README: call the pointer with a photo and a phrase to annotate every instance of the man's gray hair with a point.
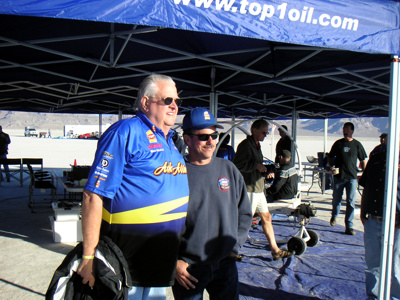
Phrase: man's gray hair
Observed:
(257, 124)
(149, 88)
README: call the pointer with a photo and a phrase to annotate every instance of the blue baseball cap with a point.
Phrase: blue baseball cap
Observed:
(199, 118)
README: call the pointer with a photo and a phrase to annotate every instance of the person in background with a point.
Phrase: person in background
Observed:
(284, 143)
(49, 133)
(286, 180)
(382, 146)
(4, 142)
(137, 192)
(225, 151)
(179, 143)
(249, 160)
(371, 215)
(343, 155)
(218, 217)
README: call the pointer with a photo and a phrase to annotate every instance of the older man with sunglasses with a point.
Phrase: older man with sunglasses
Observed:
(218, 218)
(137, 192)
(249, 160)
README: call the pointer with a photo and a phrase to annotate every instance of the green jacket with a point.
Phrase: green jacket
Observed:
(247, 156)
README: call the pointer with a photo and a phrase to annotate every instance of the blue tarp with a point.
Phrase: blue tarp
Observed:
(333, 269)
(370, 26)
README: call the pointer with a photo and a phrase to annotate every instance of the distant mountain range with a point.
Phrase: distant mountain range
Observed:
(365, 127)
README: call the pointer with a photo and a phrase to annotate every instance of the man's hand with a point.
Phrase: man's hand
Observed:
(270, 175)
(182, 275)
(261, 168)
(86, 271)
(363, 219)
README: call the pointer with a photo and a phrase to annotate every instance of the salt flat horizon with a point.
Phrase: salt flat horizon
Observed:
(61, 153)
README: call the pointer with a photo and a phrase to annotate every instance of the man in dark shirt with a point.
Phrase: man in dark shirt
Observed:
(249, 160)
(286, 178)
(372, 201)
(218, 218)
(284, 143)
(4, 142)
(343, 155)
(382, 146)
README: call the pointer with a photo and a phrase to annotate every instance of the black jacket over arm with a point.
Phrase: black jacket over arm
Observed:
(112, 279)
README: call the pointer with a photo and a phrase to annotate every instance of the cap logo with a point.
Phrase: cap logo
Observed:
(206, 115)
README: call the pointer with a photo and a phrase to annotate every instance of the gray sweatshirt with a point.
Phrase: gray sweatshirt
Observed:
(219, 212)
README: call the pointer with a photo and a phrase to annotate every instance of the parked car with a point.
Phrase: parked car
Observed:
(85, 136)
(30, 131)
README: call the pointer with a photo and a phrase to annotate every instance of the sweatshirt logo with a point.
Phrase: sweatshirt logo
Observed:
(223, 184)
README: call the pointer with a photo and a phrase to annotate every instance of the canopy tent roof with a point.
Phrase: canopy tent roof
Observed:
(74, 66)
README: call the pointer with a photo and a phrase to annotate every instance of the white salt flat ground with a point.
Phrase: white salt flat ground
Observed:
(28, 256)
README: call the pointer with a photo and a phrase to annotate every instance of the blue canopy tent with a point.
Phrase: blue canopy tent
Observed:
(249, 59)
(313, 59)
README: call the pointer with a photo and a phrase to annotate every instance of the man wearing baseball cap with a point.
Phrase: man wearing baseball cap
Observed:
(286, 178)
(382, 146)
(218, 217)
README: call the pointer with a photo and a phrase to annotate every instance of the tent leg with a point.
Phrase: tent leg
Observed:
(390, 199)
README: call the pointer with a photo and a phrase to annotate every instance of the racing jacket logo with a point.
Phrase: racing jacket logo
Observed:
(107, 154)
(167, 168)
(151, 136)
(104, 163)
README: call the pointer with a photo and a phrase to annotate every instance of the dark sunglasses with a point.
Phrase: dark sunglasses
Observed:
(204, 137)
(169, 100)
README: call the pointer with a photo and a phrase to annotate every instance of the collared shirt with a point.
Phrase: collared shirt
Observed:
(247, 156)
(143, 181)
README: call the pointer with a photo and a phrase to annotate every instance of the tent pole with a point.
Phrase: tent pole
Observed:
(233, 131)
(326, 135)
(294, 135)
(100, 124)
(213, 96)
(390, 199)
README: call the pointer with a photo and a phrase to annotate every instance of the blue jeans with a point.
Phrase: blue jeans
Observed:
(338, 186)
(147, 293)
(6, 169)
(220, 279)
(373, 246)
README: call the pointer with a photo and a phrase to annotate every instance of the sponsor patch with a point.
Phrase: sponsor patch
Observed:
(107, 154)
(104, 163)
(151, 136)
(223, 184)
(153, 146)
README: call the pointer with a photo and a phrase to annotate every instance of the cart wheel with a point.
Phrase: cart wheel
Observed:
(297, 245)
(314, 238)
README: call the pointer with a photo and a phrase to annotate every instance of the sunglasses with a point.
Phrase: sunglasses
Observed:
(205, 137)
(169, 100)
